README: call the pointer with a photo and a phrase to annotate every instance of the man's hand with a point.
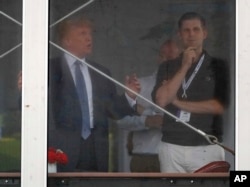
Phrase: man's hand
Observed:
(132, 83)
(189, 57)
(154, 121)
(211, 106)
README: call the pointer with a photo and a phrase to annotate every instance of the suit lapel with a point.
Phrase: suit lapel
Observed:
(67, 78)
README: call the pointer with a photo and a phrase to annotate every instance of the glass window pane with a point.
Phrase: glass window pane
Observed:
(10, 78)
(128, 37)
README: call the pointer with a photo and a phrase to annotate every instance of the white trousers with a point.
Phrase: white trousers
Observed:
(186, 159)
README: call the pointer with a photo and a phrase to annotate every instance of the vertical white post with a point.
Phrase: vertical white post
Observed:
(243, 87)
(34, 93)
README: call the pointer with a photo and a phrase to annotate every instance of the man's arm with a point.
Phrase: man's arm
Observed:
(220, 101)
(166, 93)
(135, 123)
(212, 106)
(133, 84)
(146, 120)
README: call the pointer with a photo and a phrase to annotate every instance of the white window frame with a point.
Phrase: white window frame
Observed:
(34, 105)
(242, 86)
(34, 93)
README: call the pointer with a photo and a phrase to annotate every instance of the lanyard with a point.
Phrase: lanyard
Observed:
(185, 85)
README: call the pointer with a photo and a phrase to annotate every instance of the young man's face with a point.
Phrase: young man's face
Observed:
(192, 34)
(78, 40)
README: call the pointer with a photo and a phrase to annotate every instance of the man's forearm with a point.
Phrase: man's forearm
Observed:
(135, 123)
(132, 123)
(200, 107)
(167, 92)
(154, 121)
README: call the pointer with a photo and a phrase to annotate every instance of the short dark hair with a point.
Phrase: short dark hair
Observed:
(190, 16)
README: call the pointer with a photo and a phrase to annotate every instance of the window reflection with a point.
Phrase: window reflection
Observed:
(129, 43)
(10, 95)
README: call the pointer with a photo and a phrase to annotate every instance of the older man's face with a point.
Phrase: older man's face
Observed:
(78, 40)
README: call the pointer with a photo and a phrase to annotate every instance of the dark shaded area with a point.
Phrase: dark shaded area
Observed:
(10, 65)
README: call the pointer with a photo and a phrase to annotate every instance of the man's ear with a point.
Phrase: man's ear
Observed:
(205, 33)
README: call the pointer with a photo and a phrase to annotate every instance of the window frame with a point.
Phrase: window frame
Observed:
(34, 93)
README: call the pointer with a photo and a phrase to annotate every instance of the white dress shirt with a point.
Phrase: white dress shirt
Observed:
(84, 69)
(145, 140)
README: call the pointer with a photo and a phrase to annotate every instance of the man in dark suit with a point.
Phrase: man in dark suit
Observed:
(70, 112)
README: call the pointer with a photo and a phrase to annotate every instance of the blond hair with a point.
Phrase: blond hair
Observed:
(64, 27)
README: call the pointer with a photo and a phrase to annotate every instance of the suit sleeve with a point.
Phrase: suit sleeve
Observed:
(118, 105)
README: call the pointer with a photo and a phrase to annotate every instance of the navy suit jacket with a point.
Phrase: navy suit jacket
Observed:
(65, 112)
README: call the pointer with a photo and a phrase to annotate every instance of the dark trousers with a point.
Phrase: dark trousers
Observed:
(93, 155)
(87, 157)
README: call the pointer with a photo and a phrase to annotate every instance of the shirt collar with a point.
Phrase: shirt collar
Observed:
(71, 60)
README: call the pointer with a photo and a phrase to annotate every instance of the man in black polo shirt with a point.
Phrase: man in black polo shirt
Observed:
(195, 88)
